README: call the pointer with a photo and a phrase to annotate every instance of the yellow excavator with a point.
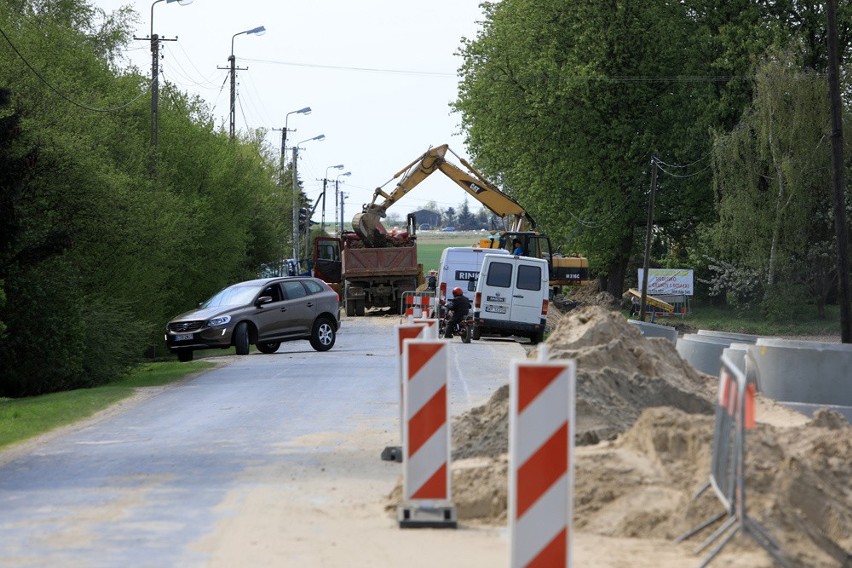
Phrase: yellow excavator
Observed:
(519, 226)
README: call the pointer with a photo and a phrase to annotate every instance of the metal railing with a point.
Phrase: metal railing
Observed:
(734, 415)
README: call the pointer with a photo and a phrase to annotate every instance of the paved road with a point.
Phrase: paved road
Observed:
(145, 485)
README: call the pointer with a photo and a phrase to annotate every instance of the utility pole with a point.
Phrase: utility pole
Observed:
(232, 70)
(295, 204)
(838, 178)
(648, 236)
(342, 197)
(154, 130)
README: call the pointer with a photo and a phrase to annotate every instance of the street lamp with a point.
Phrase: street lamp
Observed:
(284, 131)
(259, 30)
(336, 198)
(155, 71)
(296, 192)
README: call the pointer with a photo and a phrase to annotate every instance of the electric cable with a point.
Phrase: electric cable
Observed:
(62, 95)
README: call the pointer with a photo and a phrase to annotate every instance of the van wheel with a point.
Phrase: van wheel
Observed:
(322, 334)
(241, 338)
(184, 356)
(537, 337)
(475, 332)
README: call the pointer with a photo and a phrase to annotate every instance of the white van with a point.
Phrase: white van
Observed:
(511, 297)
(460, 267)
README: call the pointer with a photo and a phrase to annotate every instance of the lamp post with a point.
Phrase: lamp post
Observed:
(284, 131)
(324, 185)
(232, 61)
(155, 72)
(336, 198)
(296, 194)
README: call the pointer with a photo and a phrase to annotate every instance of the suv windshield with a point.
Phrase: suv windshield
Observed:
(232, 296)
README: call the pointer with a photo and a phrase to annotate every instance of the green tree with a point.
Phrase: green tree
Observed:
(566, 102)
(773, 176)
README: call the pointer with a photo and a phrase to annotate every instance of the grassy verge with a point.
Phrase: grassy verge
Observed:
(800, 321)
(24, 418)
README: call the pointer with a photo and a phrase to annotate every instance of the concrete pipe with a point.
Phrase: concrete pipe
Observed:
(656, 330)
(808, 372)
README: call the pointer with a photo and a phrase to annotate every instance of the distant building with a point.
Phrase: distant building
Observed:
(424, 216)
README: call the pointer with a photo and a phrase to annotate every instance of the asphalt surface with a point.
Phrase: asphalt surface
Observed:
(140, 487)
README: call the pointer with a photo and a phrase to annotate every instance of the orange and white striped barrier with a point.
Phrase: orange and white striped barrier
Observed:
(401, 333)
(432, 324)
(426, 491)
(418, 306)
(541, 462)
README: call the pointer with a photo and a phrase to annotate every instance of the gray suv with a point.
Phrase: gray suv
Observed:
(262, 312)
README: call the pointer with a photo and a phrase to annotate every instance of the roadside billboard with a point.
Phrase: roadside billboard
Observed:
(668, 281)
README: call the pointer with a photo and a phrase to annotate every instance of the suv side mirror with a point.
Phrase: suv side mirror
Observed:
(263, 300)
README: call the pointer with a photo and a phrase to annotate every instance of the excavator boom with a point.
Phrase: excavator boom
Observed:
(367, 224)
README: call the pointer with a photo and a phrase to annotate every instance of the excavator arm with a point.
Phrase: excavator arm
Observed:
(368, 226)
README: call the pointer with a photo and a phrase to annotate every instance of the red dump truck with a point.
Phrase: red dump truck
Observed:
(368, 277)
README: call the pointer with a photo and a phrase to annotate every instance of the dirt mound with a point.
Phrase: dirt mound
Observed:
(641, 484)
(619, 373)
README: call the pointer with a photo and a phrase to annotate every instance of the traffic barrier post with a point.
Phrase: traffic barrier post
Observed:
(432, 325)
(734, 416)
(416, 304)
(427, 492)
(401, 333)
(541, 461)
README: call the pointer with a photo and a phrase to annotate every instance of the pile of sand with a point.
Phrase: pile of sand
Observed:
(619, 373)
(641, 483)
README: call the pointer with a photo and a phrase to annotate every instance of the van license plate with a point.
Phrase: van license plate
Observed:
(496, 309)
(183, 337)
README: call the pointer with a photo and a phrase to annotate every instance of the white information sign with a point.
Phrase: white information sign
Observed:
(668, 281)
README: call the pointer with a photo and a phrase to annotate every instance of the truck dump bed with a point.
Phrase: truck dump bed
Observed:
(372, 262)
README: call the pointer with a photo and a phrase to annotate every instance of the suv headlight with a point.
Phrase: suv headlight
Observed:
(221, 320)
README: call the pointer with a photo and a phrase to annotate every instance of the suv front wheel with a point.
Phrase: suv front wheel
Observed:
(322, 334)
(241, 338)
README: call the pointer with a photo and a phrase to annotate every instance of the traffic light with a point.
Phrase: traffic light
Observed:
(304, 222)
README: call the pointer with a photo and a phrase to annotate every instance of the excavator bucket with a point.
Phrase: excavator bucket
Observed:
(368, 226)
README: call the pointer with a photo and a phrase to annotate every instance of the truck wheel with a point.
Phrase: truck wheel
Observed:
(359, 308)
(185, 356)
(322, 334)
(241, 338)
(350, 308)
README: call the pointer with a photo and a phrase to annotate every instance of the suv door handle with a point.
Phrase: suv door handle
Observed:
(310, 304)
(284, 309)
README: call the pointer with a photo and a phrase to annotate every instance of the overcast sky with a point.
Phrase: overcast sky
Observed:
(379, 76)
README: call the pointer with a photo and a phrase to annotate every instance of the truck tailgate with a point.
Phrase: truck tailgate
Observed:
(389, 261)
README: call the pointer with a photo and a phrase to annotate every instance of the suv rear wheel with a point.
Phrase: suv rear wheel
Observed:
(322, 334)
(184, 356)
(268, 347)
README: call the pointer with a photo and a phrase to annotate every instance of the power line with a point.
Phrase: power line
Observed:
(348, 68)
(62, 95)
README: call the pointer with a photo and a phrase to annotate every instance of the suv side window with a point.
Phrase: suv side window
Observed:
(500, 275)
(313, 287)
(273, 290)
(529, 277)
(294, 290)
